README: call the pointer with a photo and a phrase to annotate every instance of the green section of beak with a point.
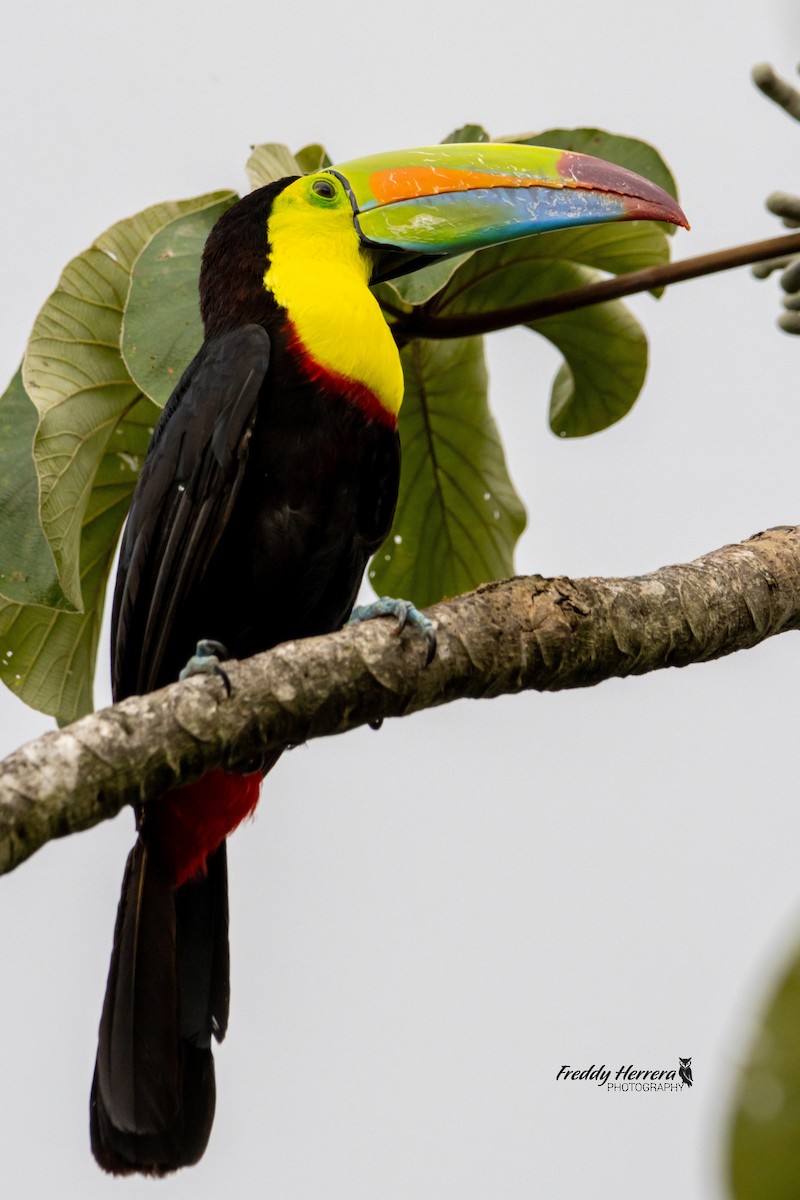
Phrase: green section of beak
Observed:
(443, 200)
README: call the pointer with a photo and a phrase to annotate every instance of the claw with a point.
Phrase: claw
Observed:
(206, 661)
(405, 613)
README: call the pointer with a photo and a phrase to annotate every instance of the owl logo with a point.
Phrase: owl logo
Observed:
(686, 1070)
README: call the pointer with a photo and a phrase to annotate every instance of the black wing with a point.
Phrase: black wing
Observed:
(191, 477)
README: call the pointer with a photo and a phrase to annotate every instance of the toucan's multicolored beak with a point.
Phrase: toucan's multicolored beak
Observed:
(443, 200)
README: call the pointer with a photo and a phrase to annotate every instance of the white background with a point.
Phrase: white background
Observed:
(429, 921)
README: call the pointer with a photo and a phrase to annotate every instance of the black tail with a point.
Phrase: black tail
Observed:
(153, 1092)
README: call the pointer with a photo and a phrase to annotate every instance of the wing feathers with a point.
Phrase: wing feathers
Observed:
(184, 499)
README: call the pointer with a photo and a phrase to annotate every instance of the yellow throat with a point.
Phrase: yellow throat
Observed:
(320, 276)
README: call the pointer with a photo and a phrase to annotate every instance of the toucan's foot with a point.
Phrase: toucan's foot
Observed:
(206, 661)
(405, 613)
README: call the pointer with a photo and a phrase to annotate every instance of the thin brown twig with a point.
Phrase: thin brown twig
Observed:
(424, 323)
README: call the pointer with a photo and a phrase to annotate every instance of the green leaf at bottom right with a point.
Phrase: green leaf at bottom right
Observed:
(764, 1150)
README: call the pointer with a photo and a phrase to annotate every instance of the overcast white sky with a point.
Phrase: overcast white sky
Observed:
(428, 922)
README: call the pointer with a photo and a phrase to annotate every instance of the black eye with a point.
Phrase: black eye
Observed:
(324, 188)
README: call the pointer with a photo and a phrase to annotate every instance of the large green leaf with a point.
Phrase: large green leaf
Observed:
(615, 247)
(27, 570)
(270, 161)
(605, 353)
(604, 346)
(419, 286)
(312, 158)
(765, 1134)
(516, 272)
(74, 373)
(458, 517)
(48, 657)
(161, 329)
(467, 133)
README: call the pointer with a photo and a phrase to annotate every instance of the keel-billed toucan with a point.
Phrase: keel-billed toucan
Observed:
(270, 479)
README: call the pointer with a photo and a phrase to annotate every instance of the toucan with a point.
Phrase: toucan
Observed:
(270, 479)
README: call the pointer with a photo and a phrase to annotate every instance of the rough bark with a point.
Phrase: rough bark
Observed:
(522, 633)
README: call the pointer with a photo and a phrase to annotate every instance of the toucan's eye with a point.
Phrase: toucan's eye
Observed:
(324, 188)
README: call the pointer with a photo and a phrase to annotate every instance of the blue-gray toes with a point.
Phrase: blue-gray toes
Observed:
(206, 661)
(405, 613)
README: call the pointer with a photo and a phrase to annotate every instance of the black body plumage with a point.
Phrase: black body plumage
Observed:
(261, 498)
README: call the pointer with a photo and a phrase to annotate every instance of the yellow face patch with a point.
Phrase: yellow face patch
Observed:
(320, 275)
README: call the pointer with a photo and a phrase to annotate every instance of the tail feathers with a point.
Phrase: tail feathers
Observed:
(164, 1151)
(201, 918)
(153, 1093)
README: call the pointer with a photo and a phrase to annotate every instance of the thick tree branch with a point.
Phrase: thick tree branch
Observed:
(523, 633)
